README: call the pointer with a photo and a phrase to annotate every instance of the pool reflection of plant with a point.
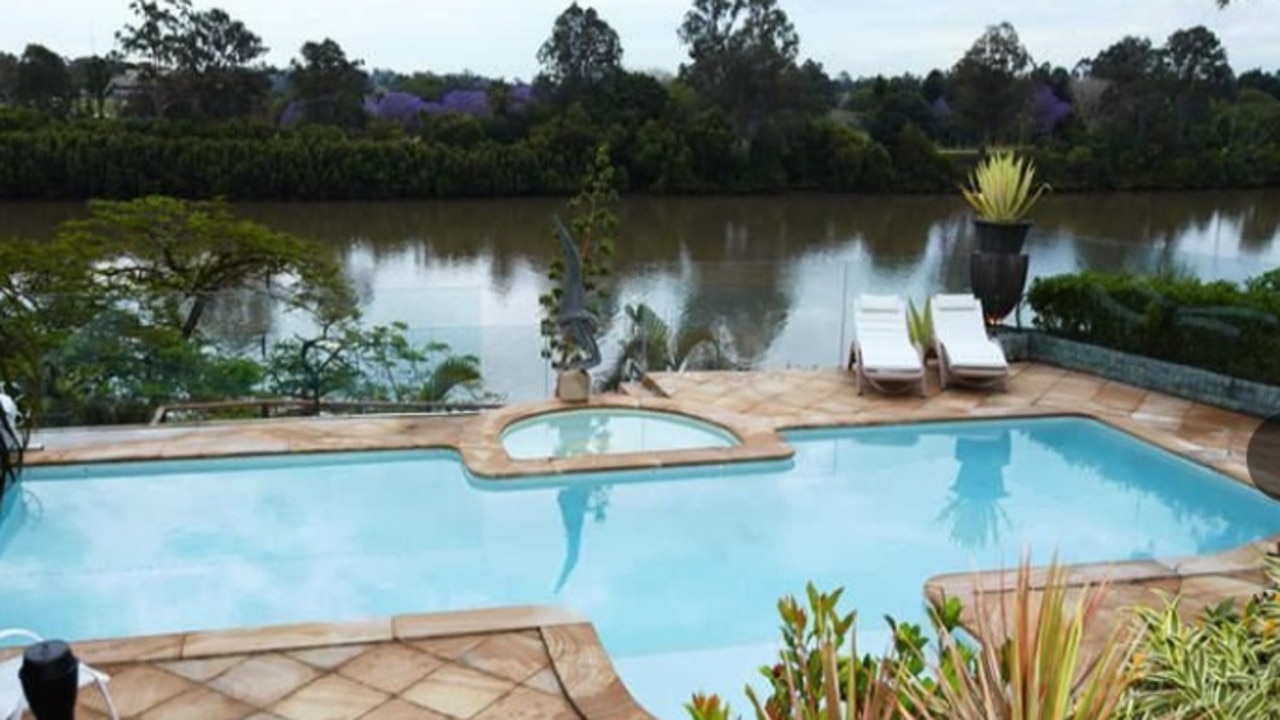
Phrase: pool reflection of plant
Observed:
(974, 510)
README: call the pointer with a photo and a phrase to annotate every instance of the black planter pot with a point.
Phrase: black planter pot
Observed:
(997, 280)
(1004, 238)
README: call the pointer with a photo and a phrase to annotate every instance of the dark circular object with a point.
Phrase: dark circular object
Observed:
(1263, 457)
(49, 659)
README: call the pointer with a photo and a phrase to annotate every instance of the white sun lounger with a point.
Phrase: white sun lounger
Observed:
(966, 355)
(883, 355)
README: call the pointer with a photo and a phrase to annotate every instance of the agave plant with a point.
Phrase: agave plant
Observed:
(1001, 188)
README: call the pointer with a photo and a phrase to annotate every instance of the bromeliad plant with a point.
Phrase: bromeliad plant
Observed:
(1001, 190)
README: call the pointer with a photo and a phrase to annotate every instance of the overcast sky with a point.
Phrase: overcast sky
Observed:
(501, 37)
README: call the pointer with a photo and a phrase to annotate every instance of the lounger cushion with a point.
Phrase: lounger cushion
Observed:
(968, 353)
(880, 354)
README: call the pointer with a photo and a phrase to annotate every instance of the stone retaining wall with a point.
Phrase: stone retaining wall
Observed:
(1191, 383)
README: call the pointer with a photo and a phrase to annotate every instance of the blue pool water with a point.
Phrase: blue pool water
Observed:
(679, 570)
(601, 431)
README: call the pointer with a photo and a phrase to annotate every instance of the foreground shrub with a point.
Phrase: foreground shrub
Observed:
(1031, 665)
(1218, 326)
(1225, 664)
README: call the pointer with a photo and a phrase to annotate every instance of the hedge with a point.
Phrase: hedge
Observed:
(1219, 326)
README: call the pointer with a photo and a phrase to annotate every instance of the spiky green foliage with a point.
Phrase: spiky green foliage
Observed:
(920, 324)
(1001, 187)
(1032, 664)
(652, 345)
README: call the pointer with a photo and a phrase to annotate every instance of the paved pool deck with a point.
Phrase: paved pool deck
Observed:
(546, 662)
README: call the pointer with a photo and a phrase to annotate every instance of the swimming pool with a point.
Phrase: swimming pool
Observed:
(606, 431)
(678, 569)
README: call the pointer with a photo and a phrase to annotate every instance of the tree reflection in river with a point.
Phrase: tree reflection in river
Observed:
(775, 272)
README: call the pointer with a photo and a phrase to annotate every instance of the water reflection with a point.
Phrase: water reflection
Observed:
(576, 502)
(973, 510)
(775, 273)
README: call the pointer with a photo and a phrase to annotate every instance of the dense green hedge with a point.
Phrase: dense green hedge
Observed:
(80, 160)
(1219, 326)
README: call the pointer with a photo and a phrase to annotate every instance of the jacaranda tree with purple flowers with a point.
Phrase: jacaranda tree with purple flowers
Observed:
(1047, 110)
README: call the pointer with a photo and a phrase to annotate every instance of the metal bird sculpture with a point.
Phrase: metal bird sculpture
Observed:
(574, 319)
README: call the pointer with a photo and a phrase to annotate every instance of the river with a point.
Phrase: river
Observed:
(774, 275)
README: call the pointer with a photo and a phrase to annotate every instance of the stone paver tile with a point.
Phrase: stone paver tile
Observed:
(263, 679)
(527, 704)
(199, 704)
(136, 689)
(204, 669)
(330, 698)
(1120, 397)
(396, 709)
(328, 658)
(513, 656)
(545, 681)
(390, 668)
(449, 648)
(457, 691)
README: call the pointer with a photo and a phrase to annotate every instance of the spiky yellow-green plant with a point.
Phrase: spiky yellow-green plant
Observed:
(920, 324)
(1001, 187)
(1033, 664)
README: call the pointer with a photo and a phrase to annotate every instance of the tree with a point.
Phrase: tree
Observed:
(582, 50)
(93, 76)
(194, 62)
(330, 87)
(346, 360)
(743, 54)
(174, 257)
(1198, 61)
(1200, 73)
(43, 82)
(8, 78)
(1135, 96)
(989, 84)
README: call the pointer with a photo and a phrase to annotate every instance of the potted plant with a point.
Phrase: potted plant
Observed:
(1000, 191)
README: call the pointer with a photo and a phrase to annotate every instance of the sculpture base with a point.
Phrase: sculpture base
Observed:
(573, 386)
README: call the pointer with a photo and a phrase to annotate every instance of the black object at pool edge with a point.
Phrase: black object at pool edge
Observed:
(50, 678)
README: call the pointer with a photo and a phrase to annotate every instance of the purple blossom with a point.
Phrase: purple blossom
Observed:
(1047, 110)
(941, 107)
(466, 102)
(521, 95)
(292, 114)
(403, 108)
